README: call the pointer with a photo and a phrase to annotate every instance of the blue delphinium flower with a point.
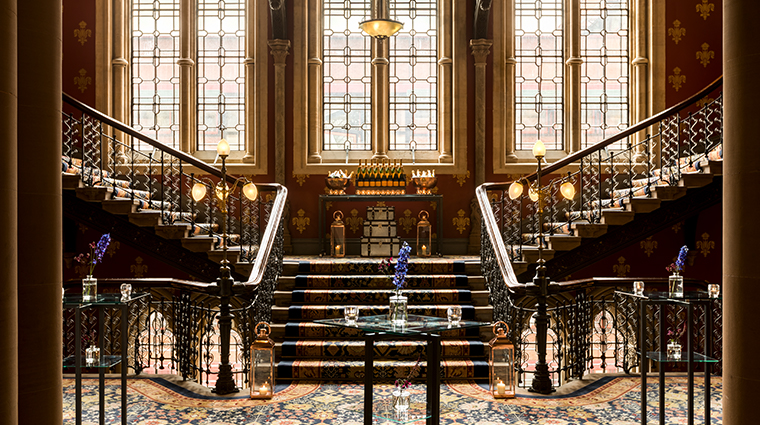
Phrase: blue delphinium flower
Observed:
(681, 261)
(402, 266)
(97, 250)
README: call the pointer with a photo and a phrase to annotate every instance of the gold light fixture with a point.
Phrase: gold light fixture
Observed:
(381, 28)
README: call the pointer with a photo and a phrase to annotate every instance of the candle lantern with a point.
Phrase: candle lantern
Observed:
(501, 363)
(424, 235)
(262, 363)
(338, 235)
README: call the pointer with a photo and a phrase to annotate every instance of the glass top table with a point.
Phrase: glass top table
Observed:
(423, 327)
(695, 295)
(106, 299)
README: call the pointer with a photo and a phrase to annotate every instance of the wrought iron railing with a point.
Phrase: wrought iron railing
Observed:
(658, 151)
(102, 151)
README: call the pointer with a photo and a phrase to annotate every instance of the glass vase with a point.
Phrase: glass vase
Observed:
(674, 350)
(92, 356)
(401, 400)
(89, 288)
(398, 314)
(675, 285)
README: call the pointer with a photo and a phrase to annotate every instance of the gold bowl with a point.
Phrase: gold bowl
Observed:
(425, 184)
(337, 185)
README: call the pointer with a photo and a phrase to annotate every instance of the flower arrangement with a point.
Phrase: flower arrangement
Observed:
(678, 266)
(402, 266)
(404, 383)
(674, 336)
(387, 267)
(95, 256)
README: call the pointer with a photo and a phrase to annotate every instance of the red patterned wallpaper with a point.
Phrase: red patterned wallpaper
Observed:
(79, 34)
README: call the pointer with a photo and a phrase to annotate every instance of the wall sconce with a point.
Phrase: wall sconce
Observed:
(262, 363)
(424, 235)
(338, 235)
(501, 363)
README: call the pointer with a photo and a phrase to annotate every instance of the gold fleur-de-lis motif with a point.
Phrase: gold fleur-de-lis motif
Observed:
(648, 245)
(434, 205)
(380, 204)
(705, 55)
(676, 227)
(354, 221)
(82, 33)
(705, 8)
(82, 228)
(704, 101)
(82, 81)
(300, 178)
(328, 205)
(461, 178)
(301, 221)
(676, 32)
(113, 247)
(621, 268)
(407, 221)
(705, 245)
(139, 268)
(461, 222)
(677, 79)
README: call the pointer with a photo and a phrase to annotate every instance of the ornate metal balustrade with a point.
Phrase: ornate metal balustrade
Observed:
(590, 328)
(178, 328)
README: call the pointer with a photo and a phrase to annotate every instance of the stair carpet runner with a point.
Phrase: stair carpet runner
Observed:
(321, 289)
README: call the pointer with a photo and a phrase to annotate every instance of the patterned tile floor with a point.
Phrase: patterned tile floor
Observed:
(612, 400)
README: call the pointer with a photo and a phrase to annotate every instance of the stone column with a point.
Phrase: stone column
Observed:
(8, 213)
(188, 106)
(380, 94)
(119, 72)
(280, 51)
(39, 212)
(640, 74)
(741, 175)
(573, 68)
(480, 50)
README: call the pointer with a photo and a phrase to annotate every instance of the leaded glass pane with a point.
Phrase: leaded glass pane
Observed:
(155, 74)
(347, 76)
(221, 73)
(539, 73)
(346, 67)
(604, 73)
(413, 76)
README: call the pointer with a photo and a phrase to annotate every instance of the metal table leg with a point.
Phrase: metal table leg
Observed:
(434, 378)
(369, 348)
(124, 361)
(101, 371)
(78, 362)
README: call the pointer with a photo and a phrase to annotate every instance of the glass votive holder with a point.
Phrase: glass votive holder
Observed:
(454, 314)
(126, 291)
(351, 314)
(638, 287)
(714, 290)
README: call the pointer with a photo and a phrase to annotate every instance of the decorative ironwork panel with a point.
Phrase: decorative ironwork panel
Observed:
(221, 73)
(346, 80)
(413, 81)
(539, 32)
(604, 73)
(155, 73)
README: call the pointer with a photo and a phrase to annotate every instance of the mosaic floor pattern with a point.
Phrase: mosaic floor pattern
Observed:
(608, 400)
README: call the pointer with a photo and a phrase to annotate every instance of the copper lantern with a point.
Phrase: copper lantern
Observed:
(501, 363)
(262, 363)
(337, 236)
(424, 235)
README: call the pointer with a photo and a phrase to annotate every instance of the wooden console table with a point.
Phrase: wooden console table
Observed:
(438, 199)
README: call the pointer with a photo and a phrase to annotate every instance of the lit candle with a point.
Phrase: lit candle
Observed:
(424, 250)
(264, 389)
(337, 249)
(501, 389)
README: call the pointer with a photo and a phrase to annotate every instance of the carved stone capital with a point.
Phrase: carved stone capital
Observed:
(481, 48)
(280, 49)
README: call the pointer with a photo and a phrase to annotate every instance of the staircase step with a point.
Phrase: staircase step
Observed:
(71, 181)
(530, 254)
(145, 218)
(174, 231)
(315, 312)
(641, 205)
(384, 370)
(369, 266)
(715, 168)
(311, 330)
(243, 268)
(668, 193)
(199, 243)
(93, 194)
(386, 349)
(375, 296)
(379, 281)
(589, 230)
(695, 179)
(564, 242)
(616, 217)
(120, 206)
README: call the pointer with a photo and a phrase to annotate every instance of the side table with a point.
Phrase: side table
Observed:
(101, 302)
(689, 299)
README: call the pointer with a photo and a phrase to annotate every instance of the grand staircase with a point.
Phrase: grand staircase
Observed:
(317, 288)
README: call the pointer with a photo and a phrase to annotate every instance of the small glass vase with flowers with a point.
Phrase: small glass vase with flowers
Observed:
(401, 393)
(397, 313)
(92, 259)
(675, 280)
(674, 342)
